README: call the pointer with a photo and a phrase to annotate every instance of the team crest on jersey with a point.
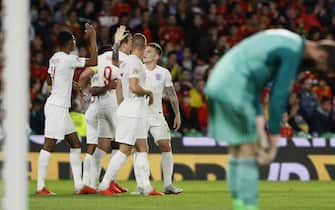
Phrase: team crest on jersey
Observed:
(158, 76)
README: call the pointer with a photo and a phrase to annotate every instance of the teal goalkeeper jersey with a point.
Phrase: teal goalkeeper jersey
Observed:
(269, 56)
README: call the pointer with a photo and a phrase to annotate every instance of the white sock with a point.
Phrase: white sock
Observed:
(142, 163)
(88, 162)
(137, 170)
(76, 168)
(98, 155)
(114, 166)
(43, 161)
(167, 168)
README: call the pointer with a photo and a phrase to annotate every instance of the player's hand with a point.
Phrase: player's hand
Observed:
(176, 122)
(111, 84)
(265, 155)
(90, 31)
(76, 86)
(120, 34)
(151, 97)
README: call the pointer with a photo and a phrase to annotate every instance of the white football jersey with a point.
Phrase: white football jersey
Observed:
(156, 80)
(61, 69)
(107, 72)
(132, 105)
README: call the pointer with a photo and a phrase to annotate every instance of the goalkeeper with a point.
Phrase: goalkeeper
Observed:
(234, 89)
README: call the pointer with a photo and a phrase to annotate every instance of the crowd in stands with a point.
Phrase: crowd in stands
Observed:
(194, 35)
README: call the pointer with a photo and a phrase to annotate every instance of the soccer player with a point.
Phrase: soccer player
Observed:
(91, 116)
(101, 115)
(108, 71)
(130, 116)
(159, 82)
(58, 123)
(234, 88)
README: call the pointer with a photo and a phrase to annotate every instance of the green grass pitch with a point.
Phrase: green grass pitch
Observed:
(198, 195)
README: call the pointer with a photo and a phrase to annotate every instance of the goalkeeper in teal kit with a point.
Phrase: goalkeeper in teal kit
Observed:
(234, 88)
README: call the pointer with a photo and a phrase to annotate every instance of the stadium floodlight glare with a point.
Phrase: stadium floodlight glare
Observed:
(16, 22)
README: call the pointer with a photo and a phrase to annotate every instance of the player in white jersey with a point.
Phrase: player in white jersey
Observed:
(130, 116)
(159, 81)
(58, 123)
(101, 114)
(91, 115)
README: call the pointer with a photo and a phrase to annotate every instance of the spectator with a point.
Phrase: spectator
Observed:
(145, 26)
(72, 23)
(36, 118)
(322, 89)
(323, 118)
(286, 130)
(173, 66)
(88, 12)
(197, 100)
(38, 70)
(308, 99)
(171, 33)
(295, 118)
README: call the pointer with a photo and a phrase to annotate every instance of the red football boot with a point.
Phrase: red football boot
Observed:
(87, 190)
(122, 189)
(154, 192)
(107, 192)
(45, 191)
(114, 188)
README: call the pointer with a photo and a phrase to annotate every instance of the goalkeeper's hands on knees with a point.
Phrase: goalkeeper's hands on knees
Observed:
(266, 152)
(266, 145)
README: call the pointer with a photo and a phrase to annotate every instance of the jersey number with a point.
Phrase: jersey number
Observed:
(107, 75)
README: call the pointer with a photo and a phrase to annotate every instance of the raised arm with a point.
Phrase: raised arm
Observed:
(120, 34)
(93, 49)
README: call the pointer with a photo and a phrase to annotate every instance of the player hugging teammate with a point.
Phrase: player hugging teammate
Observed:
(126, 104)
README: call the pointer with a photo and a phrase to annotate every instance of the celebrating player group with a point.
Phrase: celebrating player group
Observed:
(126, 86)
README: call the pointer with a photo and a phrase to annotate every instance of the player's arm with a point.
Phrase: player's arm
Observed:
(138, 90)
(120, 34)
(118, 91)
(93, 49)
(86, 75)
(97, 91)
(279, 97)
(171, 93)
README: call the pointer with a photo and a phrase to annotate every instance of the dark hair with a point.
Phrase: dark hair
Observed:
(329, 47)
(157, 48)
(325, 99)
(104, 48)
(64, 37)
(139, 41)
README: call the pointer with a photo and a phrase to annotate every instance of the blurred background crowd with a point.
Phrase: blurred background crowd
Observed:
(194, 35)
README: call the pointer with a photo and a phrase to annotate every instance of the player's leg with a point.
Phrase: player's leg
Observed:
(75, 162)
(125, 135)
(247, 175)
(161, 134)
(167, 166)
(43, 161)
(107, 186)
(54, 129)
(232, 176)
(141, 169)
(87, 165)
(91, 142)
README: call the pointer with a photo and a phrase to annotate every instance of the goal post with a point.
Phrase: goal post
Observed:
(16, 23)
